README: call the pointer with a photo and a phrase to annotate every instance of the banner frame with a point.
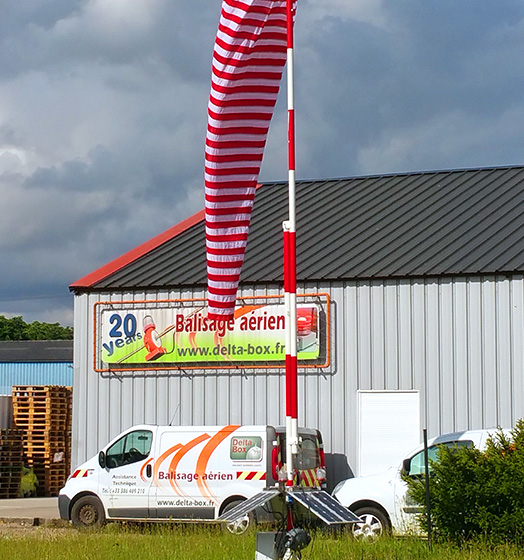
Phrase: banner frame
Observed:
(101, 367)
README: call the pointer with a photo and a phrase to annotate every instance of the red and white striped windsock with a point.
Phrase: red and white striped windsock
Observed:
(248, 61)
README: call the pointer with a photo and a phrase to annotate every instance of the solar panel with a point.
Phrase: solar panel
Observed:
(247, 506)
(318, 502)
(324, 506)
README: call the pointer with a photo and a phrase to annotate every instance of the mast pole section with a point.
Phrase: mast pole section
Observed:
(290, 297)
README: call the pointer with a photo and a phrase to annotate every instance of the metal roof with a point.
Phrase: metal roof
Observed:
(436, 223)
(34, 373)
(24, 351)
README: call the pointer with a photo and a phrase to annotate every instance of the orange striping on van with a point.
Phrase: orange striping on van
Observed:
(251, 475)
(81, 473)
(176, 459)
(162, 457)
(204, 456)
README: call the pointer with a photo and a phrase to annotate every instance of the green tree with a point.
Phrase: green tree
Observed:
(17, 329)
(477, 493)
(48, 331)
(4, 328)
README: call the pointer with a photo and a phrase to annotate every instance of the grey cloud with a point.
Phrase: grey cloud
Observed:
(173, 35)
(23, 28)
(103, 113)
(358, 83)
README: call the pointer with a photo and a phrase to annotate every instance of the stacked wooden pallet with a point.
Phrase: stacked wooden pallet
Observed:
(43, 412)
(11, 461)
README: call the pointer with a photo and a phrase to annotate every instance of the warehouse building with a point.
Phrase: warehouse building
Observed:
(35, 362)
(411, 297)
(32, 362)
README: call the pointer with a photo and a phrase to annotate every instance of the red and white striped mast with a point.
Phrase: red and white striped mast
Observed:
(290, 268)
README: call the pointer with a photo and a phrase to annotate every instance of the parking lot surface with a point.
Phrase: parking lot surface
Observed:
(29, 509)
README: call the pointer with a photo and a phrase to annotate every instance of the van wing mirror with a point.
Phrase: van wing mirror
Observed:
(102, 459)
(406, 466)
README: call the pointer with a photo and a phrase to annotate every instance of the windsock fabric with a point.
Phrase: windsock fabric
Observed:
(248, 60)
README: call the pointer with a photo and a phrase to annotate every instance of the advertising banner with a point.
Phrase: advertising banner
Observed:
(145, 335)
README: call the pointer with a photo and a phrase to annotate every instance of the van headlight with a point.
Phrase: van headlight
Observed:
(338, 487)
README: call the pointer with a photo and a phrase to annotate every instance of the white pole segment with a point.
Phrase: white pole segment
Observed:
(290, 269)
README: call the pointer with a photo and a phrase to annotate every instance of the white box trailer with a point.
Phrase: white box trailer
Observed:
(184, 473)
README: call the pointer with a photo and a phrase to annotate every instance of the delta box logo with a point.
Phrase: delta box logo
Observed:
(246, 448)
(131, 336)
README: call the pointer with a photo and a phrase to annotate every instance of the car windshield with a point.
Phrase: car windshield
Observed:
(416, 465)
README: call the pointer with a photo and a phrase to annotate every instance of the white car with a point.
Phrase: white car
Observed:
(380, 500)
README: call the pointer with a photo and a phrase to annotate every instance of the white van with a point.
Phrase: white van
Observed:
(181, 473)
(381, 500)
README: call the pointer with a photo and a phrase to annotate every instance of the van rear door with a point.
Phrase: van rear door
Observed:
(310, 456)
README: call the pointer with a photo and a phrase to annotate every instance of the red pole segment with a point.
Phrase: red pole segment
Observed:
(290, 269)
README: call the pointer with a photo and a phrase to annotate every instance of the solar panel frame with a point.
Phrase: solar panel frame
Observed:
(247, 506)
(324, 506)
(318, 502)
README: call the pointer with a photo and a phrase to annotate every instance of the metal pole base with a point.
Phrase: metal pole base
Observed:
(266, 546)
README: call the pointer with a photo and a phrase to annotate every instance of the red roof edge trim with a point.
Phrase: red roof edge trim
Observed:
(98, 275)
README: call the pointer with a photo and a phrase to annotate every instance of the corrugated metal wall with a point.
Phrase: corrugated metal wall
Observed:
(29, 373)
(456, 340)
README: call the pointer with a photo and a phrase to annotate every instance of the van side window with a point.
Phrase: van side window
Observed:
(131, 448)
(416, 465)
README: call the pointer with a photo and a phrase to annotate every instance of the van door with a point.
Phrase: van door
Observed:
(180, 490)
(127, 476)
(196, 470)
(310, 457)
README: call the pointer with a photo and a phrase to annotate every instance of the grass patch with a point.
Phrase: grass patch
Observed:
(119, 542)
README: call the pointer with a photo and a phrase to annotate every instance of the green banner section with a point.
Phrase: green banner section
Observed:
(156, 336)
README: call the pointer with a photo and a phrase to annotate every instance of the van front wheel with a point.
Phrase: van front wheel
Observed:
(87, 512)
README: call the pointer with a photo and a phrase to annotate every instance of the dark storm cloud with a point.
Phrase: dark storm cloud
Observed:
(427, 85)
(103, 115)
(24, 26)
(97, 137)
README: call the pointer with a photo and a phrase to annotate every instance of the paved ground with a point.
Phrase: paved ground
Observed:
(31, 510)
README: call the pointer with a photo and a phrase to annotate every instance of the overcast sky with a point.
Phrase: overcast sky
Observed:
(103, 116)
